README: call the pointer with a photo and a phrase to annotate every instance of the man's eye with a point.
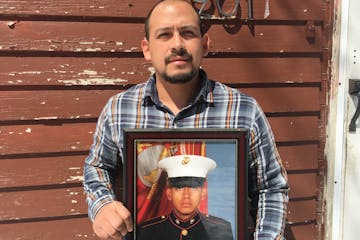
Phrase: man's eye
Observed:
(164, 35)
(188, 34)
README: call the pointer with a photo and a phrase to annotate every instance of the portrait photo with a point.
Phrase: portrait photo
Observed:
(188, 182)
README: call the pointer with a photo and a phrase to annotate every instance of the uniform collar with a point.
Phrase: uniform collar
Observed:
(193, 221)
(205, 94)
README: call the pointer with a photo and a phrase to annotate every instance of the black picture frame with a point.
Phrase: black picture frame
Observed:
(229, 144)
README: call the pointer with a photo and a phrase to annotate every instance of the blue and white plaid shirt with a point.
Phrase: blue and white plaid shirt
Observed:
(216, 106)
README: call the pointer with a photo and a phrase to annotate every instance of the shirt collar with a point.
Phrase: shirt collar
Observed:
(205, 94)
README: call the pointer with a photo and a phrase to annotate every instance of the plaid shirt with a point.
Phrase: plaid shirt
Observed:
(216, 106)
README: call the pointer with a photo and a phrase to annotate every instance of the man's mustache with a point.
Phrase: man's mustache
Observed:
(178, 53)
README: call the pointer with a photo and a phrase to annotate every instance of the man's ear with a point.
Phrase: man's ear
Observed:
(203, 193)
(168, 193)
(146, 49)
(205, 44)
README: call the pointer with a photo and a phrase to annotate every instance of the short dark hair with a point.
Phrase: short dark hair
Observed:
(147, 21)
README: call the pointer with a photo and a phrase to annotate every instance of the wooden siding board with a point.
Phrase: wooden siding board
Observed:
(62, 170)
(306, 231)
(55, 71)
(285, 99)
(278, 39)
(42, 203)
(49, 172)
(263, 70)
(24, 139)
(36, 205)
(302, 185)
(56, 104)
(299, 157)
(80, 37)
(73, 37)
(73, 104)
(301, 211)
(295, 128)
(285, 9)
(76, 228)
(279, 9)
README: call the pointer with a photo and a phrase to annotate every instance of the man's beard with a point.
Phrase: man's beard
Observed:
(181, 77)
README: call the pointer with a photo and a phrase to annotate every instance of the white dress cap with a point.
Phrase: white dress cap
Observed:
(187, 166)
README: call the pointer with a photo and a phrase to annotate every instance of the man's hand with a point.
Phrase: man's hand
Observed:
(113, 221)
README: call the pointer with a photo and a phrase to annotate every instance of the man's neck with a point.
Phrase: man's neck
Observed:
(184, 217)
(176, 96)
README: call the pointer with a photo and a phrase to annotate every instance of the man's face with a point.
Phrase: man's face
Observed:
(175, 45)
(185, 200)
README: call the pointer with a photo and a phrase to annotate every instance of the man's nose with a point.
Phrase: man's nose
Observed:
(186, 192)
(178, 41)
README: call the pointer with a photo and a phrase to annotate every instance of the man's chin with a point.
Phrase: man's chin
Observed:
(181, 77)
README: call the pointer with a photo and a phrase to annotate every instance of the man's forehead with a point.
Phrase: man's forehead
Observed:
(166, 9)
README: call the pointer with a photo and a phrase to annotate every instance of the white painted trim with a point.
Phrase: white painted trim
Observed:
(340, 132)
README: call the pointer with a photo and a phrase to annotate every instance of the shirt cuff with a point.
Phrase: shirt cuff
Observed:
(96, 205)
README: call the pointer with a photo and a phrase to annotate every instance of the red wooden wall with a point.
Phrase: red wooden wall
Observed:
(61, 60)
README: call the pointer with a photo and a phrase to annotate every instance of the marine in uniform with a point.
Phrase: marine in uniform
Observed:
(186, 178)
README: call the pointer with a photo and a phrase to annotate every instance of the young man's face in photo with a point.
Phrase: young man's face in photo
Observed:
(185, 200)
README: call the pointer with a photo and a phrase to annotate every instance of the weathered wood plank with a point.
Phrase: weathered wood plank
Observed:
(278, 39)
(42, 203)
(73, 36)
(263, 70)
(301, 211)
(302, 185)
(78, 136)
(295, 128)
(306, 231)
(81, 229)
(50, 171)
(45, 138)
(77, 228)
(125, 71)
(284, 9)
(45, 105)
(45, 71)
(299, 157)
(280, 9)
(79, 37)
(73, 104)
(56, 203)
(285, 99)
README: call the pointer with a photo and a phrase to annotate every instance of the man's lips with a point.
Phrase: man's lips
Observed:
(186, 204)
(178, 60)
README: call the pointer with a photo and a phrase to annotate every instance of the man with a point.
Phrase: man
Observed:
(186, 177)
(179, 95)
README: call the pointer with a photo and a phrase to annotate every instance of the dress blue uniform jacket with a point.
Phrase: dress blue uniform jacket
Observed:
(199, 227)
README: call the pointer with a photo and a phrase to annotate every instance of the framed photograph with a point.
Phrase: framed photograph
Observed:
(186, 183)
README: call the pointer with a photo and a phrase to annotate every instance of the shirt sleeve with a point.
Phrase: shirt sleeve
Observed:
(101, 165)
(268, 185)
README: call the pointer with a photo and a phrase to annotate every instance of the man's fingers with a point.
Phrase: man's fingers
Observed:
(113, 221)
(115, 228)
(100, 232)
(125, 216)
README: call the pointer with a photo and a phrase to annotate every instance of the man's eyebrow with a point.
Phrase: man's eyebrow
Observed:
(181, 28)
(163, 29)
